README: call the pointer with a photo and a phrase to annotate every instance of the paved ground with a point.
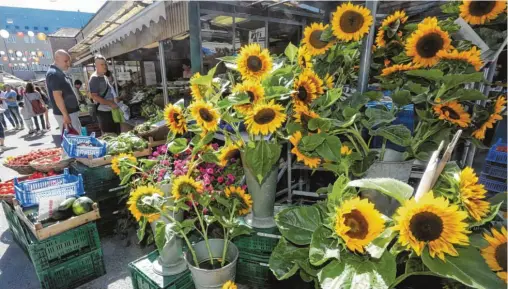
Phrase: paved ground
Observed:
(16, 271)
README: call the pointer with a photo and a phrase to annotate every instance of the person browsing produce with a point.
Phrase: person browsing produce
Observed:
(61, 92)
(102, 93)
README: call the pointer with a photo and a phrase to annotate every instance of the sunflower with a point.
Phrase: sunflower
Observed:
(305, 90)
(304, 59)
(229, 285)
(318, 82)
(205, 115)
(329, 81)
(265, 118)
(471, 56)
(256, 94)
(351, 22)
(253, 62)
(312, 39)
(136, 206)
(398, 68)
(399, 16)
(184, 185)
(452, 112)
(345, 150)
(357, 222)
(495, 253)
(229, 151)
(472, 194)
(311, 162)
(117, 160)
(493, 118)
(197, 91)
(431, 221)
(303, 114)
(425, 43)
(239, 194)
(175, 119)
(479, 12)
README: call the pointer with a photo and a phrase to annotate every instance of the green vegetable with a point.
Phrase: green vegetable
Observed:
(67, 204)
(82, 205)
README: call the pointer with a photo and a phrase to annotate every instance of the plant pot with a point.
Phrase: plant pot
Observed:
(212, 278)
(263, 198)
(385, 169)
(170, 261)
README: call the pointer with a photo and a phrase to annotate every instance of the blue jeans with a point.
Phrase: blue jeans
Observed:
(2, 133)
(14, 110)
(6, 114)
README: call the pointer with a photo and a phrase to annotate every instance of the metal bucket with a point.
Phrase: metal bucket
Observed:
(170, 261)
(214, 278)
(263, 198)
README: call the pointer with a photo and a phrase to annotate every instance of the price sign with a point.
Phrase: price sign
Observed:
(258, 36)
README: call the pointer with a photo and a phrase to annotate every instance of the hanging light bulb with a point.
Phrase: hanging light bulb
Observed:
(31, 33)
(20, 34)
(4, 33)
(19, 53)
(2, 52)
(41, 36)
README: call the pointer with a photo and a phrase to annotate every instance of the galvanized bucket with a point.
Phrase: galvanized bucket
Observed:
(263, 198)
(214, 278)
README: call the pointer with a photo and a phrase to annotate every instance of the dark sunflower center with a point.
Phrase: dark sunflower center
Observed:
(501, 256)
(351, 21)
(450, 112)
(264, 116)
(143, 208)
(176, 117)
(302, 93)
(251, 96)
(304, 62)
(429, 45)
(232, 154)
(480, 8)
(205, 114)
(254, 63)
(359, 227)
(426, 226)
(315, 39)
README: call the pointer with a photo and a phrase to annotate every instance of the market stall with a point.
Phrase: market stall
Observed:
(291, 163)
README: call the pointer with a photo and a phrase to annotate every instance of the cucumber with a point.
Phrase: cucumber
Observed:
(67, 204)
(82, 205)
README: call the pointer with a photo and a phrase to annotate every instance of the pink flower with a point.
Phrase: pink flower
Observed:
(229, 182)
(215, 146)
(155, 154)
(178, 173)
(220, 179)
(231, 177)
(209, 171)
(244, 187)
(165, 163)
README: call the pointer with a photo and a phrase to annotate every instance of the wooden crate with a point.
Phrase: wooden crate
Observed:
(42, 233)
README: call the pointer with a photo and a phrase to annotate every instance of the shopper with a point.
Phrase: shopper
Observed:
(61, 92)
(103, 94)
(12, 104)
(27, 113)
(2, 130)
(6, 114)
(48, 106)
(81, 98)
(37, 104)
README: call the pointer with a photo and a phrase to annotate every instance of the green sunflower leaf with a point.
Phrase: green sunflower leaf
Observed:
(291, 51)
(390, 187)
(298, 224)
(323, 247)
(282, 259)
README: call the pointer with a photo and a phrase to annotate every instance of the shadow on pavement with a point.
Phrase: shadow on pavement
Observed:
(15, 267)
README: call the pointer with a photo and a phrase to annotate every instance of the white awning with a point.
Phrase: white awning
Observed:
(152, 13)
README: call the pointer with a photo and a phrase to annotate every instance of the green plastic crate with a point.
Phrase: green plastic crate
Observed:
(261, 241)
(74, 272)
(63, 247)
(143, 276)
(254, 269)
(17, 229)
(97, 181)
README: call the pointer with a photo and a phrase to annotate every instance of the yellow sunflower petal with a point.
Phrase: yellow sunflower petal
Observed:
(453, 112)
(425, 43)
(305, 90)
(265, 119)
(254, 63)
(304, 57)
(229, 151)
(471, 57)
(311, 162)
(303, 114)
(387, 23)
(139, 210)
(312, 39)
(205, 115)
(495, 253)
(398, 68)
(256, 94)
(351, 22)
(245, 199)
(358, 223)
(117, 160)
(175, 119)
(431, 222)
(472, 194)
(345, 150)
(197, 91)
(229, 285)
(183, 186)
(480, 12)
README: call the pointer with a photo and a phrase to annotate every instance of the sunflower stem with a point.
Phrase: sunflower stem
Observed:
(204, 231)
(191, 249)
(226, 237)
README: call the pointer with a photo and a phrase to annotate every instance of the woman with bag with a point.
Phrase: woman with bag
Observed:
(48, 106)
(38, 105)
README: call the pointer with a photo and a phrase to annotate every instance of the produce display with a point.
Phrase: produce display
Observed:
(126, 142)
(150, 123)
(7, 187)
(24, 160)
(69, 207)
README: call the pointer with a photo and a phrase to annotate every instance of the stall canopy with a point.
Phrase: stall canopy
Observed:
(159, 21)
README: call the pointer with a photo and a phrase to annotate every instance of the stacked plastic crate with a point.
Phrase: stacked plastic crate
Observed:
(494, 172)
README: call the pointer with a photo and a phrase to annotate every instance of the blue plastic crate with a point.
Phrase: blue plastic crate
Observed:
(497, 156)
(73, 146)
(493, 185)
(28, 193)
(495, 170)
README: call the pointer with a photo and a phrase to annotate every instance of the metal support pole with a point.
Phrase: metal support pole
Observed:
(114, 75)
(195, 36)
(366, 56)
(162, 60)
(234, 34)
(267, 38)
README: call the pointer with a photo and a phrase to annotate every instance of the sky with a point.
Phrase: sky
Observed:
(67, 5)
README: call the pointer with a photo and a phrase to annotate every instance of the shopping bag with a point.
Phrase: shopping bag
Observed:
(117, 115)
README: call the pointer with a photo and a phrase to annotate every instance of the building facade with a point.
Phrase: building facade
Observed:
(25, 49)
